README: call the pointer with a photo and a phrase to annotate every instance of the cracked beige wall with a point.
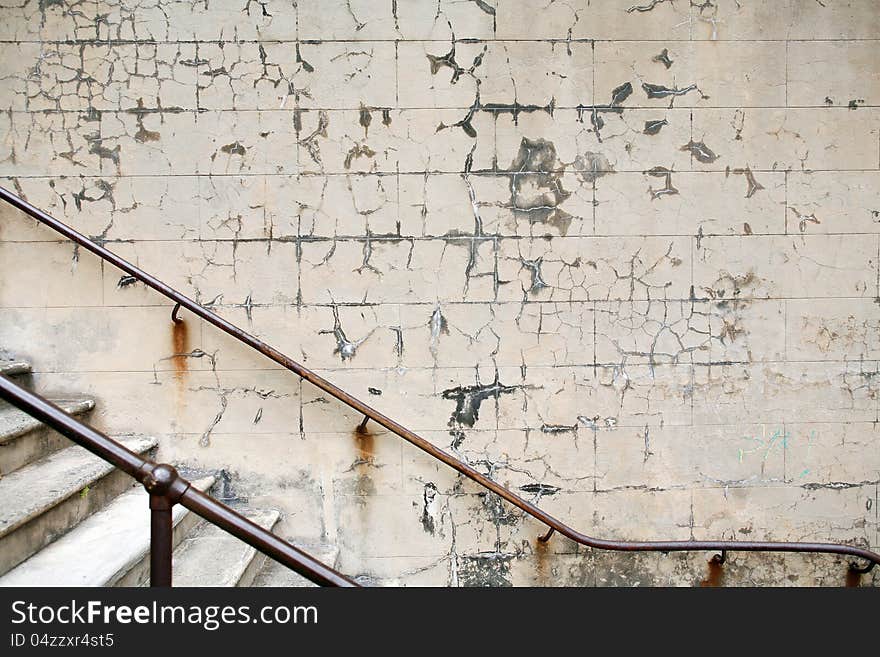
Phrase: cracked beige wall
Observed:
(622, 256)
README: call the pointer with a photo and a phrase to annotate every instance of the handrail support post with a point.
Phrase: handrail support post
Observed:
(165, 487)
(161, 508)
(546, 537)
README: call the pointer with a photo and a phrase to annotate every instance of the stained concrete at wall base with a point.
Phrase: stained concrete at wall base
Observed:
(620, 256)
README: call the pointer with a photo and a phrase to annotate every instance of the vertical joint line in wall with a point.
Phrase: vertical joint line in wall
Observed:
(593, 90)
(693, 294)
(784, 453)
(396, 73)
(594, 208)
(785, 205)
(198, 103)
(595, 360)
(595, 431)
(877, 501)
(785, 327)
(786, 73)
(298, 251)
(397, 177)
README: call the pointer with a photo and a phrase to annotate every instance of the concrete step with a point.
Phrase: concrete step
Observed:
(24, 439)
(43, 500)
(109, 548)
(213, 557)
(276, 574)
(12, 367)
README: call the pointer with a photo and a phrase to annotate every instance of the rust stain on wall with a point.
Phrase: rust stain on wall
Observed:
(179, 351)
(853, 579)
(543, 565)
(714, 575)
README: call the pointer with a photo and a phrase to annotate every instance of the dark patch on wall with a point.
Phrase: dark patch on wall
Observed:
(448, 61)
(484, 570)
(514, 109)
(536, 190)
(668, 188)
(235, 148)
(143, 135)
(428, 496)
(468, 400)
(700, 151)
(357, 151)
(648, 7)
(558, 428)
(344, 347)
(485, 7)
(621, 93)
(661, 91)
(308, 68)
(438, 326)
(540, 489)
(534, 267)
(731, 285)
(753, 185)
(653, 127)
(618, 95)
(663, 58)
(591, 166)
(365, 118)
(96, 147)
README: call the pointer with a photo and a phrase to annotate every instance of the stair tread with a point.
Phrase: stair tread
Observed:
(14, 367)
(211, 556)
(35, 488)
(99, 550)
(274, 574)
(15, 423)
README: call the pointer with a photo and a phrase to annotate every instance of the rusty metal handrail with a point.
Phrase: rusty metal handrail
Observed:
(167, 488)
(370, 413)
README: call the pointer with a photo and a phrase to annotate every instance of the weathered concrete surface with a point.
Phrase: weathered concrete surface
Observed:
(212, 557)
(621, 255)
(24, 439)
(110, 547)
(46, 498)
(274, 574)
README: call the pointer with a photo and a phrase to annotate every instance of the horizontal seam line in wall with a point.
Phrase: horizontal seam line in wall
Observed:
(582, 430)
(317, 40)
(486, 237)
(584, 108)
(391, 172)
(532, 429)
(477, 173)
(470, 368)
(360, 304)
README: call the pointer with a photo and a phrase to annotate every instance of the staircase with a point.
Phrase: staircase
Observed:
(68, 518)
